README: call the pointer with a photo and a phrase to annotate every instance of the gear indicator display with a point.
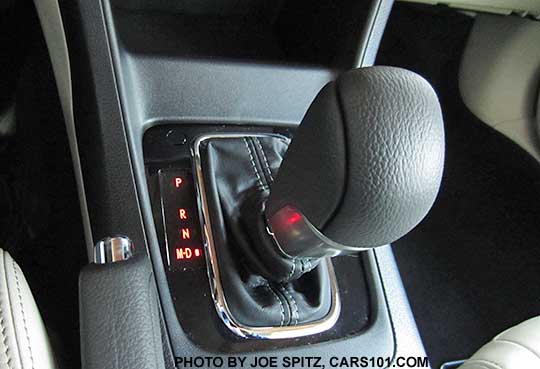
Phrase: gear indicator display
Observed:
(184, 245)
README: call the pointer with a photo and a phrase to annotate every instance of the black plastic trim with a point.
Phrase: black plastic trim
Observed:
(112, 200)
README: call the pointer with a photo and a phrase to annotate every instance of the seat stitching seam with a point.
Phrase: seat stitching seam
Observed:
(16, 335)
(4, 339)
(22, 311)
(487, 361)
(2, 325)
(519, 345)
(480, 365)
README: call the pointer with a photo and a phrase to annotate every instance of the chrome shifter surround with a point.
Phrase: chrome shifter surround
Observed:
(218, 295)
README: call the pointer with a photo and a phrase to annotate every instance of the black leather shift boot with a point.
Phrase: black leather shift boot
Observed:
(260, 288)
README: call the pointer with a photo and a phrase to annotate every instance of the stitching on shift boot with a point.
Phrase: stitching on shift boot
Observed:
(261, 188)
(252, 159)
(282, 308)
(293, 305)
(265, 159)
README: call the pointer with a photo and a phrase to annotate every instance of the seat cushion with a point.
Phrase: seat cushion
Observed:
(23, 340)
(515, 348)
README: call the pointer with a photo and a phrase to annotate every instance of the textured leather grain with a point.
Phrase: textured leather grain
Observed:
(23, 340)
(366, 163)
(119, 316)
(515, 348)
(262, 288)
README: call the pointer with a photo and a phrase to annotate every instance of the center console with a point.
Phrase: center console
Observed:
(156, 83)
(191, 272)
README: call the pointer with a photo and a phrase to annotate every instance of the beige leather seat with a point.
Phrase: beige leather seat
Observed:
(515, 348)
(23, 340)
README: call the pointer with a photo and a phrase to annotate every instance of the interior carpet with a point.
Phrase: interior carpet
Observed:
(472, 268)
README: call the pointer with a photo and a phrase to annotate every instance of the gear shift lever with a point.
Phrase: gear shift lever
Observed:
(364, 167)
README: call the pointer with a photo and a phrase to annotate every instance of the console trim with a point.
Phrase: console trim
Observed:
(216, 288)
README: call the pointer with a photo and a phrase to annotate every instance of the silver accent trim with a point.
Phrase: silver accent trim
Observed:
(372, 33)
(452, 364)
(113, 249)
(52, 25)
(301, 238)
(162, 212)
(216, 288)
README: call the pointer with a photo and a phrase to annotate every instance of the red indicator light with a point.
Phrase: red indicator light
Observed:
(185, 233)
(182, 214)
(178, 182)
(186, 253)
(294, 218)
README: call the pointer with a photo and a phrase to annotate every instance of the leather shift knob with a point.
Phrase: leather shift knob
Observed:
(364, 167)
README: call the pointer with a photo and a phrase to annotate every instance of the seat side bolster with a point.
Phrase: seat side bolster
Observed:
(24, 340)
(515, 348)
